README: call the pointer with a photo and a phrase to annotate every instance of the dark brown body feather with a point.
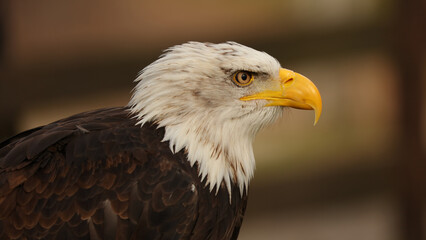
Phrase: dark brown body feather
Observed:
(97, 175)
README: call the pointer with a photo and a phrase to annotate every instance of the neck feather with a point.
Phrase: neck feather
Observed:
(223, 151)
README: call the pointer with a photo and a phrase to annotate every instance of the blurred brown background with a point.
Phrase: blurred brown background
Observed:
(359, 174)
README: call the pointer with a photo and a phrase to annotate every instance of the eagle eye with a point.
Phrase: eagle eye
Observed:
(243, 78)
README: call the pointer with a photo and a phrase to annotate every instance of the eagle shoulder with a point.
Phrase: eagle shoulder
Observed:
(96, 175)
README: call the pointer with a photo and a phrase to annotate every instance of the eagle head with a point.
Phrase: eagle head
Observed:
(212, 99)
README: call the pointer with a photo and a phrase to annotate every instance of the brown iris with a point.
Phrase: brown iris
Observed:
(243, 78)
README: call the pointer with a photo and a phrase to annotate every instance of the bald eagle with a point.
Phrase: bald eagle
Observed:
(175, 163)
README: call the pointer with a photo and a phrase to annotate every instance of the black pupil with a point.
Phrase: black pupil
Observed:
(244, 76)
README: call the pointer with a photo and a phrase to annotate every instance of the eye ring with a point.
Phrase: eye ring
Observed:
(243, 78)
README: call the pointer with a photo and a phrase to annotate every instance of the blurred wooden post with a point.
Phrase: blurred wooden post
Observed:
(8, 110)
(410, 41)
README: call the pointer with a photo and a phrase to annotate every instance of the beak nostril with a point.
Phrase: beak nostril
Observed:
(288, 81)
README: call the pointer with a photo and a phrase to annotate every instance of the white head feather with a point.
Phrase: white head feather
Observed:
(189, 90)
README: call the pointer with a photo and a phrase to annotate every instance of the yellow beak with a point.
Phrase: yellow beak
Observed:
(294, 90)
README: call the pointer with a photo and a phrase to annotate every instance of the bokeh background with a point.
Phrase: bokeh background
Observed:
(359, 174)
